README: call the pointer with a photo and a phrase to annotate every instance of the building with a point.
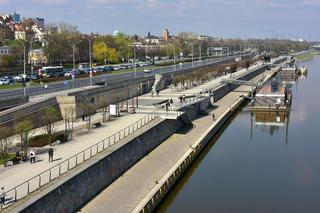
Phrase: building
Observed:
(316, 47)
(37, 57)
(16, 17)
(166, 35)
(6, 33)
(203, 38)
(4, 50)
(39, 22)
(151, 39)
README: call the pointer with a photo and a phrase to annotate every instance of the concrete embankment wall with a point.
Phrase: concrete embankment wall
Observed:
(226, 88)
(31, 111)
(154, 197)
(109, 94)
(8, 103)
(85, 183)
(70, 193)
(166, 78)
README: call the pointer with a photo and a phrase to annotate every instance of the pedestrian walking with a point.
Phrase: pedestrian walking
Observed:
(213, 117)
(2, 196)
(151, 93)
(32, 156)
(184, 98)
(171, 101)
(180, 98)
(158, 92)
(50, 152)
(167, 106)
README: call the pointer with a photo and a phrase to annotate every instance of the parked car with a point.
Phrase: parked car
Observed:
(108, 68)
(4, 81)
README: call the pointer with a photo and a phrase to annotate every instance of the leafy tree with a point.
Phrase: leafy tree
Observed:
(49, 120)
(23, 129)
(100, 51)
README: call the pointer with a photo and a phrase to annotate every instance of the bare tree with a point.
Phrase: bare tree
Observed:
(87, 112)
(103, 108)
(24, 128)
(5, 142)
(49, 119)
(69, 119)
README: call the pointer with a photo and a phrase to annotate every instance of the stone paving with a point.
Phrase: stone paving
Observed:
(131, 188)
(14, 175)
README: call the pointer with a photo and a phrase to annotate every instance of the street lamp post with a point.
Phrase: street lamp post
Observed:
(90, 39)
(192, 54)
(174, 57)
(24, 67)
(73, 52)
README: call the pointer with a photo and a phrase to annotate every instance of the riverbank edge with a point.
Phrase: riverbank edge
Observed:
(156, 194)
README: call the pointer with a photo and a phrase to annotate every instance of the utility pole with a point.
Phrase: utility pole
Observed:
(90, 39)
(24, 67)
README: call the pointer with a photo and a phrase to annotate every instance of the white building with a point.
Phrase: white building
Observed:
(5, 51)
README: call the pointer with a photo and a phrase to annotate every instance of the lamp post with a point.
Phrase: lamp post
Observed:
(174, 57)
(134, 58)
(192, 46)
(24, 67)
(73, 51)
(90, 39)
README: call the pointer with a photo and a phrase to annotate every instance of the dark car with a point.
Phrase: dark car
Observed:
(108, 68)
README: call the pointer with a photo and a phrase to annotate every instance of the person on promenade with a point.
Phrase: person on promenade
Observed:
(2, 196)
(50, 152)
(158, 92)
(32, 156)
(213, 117)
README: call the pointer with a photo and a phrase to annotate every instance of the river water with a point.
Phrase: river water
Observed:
(256, 165)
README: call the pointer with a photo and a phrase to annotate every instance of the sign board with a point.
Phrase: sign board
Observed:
(113, 110)
(217, 49)
(237, 59)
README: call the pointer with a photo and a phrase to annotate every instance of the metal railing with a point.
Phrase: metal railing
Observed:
(52, 173)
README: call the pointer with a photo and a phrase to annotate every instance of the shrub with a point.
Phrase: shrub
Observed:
(43, 140)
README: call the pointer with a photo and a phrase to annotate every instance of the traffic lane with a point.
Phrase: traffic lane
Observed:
(60, 86)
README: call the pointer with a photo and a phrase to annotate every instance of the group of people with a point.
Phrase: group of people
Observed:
(33, 155)
(157, 91)
(168, 104)
(182, 98)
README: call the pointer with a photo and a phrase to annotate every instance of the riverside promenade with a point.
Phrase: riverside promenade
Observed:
(135, 188)
(15, 175)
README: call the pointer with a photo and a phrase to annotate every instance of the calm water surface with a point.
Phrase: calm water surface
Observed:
(255, 167)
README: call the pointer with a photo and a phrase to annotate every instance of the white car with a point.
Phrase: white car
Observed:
(147, 71)
(4, 82)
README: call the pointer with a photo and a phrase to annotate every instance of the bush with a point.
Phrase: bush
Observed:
(43, 140)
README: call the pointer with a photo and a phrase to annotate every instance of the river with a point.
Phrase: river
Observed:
(254, 166)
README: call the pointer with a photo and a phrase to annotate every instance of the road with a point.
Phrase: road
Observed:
(77, 83)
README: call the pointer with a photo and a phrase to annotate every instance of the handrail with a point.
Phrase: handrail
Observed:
(94, 150)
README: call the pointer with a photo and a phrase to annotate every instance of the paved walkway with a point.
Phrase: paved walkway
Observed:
(132, 187)
(15, 175)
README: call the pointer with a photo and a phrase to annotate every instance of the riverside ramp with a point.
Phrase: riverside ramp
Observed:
(143, 186)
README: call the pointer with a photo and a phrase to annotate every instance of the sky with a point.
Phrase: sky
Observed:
(219, 18)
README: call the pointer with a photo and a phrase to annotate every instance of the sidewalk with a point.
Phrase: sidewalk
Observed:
(17, 174)
(14, 175)
(131, 188)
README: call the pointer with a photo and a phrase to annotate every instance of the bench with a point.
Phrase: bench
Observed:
(97, 125)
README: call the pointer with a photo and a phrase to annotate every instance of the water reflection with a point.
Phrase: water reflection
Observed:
(270, 122)
(277, 170)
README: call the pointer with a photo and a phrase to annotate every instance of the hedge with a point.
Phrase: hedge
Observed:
(43, 140)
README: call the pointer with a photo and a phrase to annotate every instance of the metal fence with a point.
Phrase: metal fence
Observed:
(52, 173)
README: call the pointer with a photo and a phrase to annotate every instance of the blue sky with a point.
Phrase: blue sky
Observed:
(225, 18)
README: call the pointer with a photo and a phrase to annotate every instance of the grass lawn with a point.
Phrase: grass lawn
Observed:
(306, 57)
(2, 160)
(15, 86)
